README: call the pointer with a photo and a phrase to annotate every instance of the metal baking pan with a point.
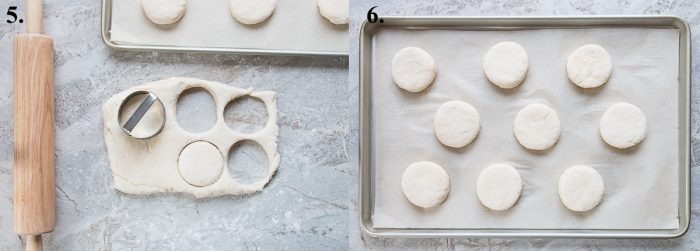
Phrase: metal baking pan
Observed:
(106, 27)
(366, 158)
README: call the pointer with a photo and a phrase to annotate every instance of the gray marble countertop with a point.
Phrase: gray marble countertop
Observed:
(303, 208)
(687, 9)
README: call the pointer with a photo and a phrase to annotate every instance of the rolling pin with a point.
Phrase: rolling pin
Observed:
(34, 167)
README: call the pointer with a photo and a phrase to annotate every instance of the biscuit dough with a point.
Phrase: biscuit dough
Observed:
(623, 125)
(336, 11)
(505, 64)
(164, 11)
(252, 11)
(581, 188)
(499, 186)
(456, 123)
(537, 127)
(413, 69)
(425, 184)
(160, 165)
(589, 66)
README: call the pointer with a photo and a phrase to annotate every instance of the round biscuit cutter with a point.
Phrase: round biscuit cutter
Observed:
(147, 115)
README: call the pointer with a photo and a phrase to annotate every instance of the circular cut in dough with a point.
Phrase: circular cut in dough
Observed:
(164, 11)
(456, 123)
(581, 188)
(200, 163)
(499, 186)
(336, 11)
(425, 184)
(252, 11)
(537, 127)
(413, 69)
(505, 64)
(589, 66)
(623, 125)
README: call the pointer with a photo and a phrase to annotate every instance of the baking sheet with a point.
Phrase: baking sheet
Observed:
(296, 25)
(641, 183)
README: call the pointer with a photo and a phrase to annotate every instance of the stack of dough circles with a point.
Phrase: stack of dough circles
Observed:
(537, 127)
(505, 64)
(413, 69)
(336, 11)
(589, 66)
(252, 11)
(499, 186)
(581, 188)
(623, 125)
(456, 123)
(164, 11)
(425, 184)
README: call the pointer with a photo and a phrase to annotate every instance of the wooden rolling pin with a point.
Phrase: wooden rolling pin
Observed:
(34, 171)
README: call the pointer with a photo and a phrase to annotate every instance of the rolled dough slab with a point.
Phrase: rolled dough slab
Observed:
(151, 166)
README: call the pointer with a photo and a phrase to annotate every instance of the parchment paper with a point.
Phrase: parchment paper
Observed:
(295, 25)
(641, 184)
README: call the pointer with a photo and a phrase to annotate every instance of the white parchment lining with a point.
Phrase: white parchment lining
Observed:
(295, 25)
(641, 184)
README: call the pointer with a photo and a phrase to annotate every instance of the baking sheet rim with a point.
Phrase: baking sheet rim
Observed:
(106, 23)
(365, 172)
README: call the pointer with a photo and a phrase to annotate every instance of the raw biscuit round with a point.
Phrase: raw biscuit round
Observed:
(336, 11)
(200, 163)
(252, 11)
(164, 11)
(425, 184)
(505, 64)
(499, 186)
(589, 66)
(413, 69)
(456, 123)
(581, 188)
(537, 127)
(623, 125)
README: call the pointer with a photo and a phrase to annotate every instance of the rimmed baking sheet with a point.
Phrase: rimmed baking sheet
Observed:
(296, 28)
(650, 70)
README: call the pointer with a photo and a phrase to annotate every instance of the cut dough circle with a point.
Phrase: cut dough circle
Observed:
(623, 125)
(425, 184)
(581, 188)
(336, 11)
(413, 69)
(252, 11)
(200, 163)
(537, 127)
(589, 66)
(499, 186)
(505, 64)
(164, 11)
(456, 123)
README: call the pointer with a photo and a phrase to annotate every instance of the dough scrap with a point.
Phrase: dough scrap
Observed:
(581, 188)
(505, 64)
(499, 186)
(164, 11)
(151, 165)
(425, 184)
(252, 11)
(589, 66)
(200, 163)
(413, 69)
(623, 125)
(456, 123)
(336, 11)
(537, 127)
